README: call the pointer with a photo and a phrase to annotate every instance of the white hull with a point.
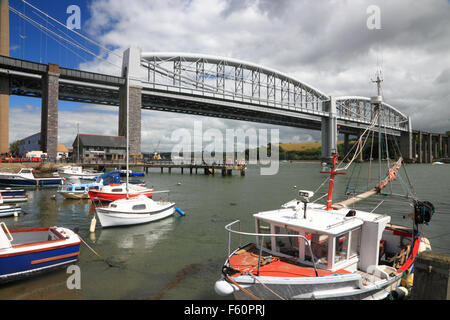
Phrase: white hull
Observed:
(73, 195)
(8, 211)
(110, 218)
(337, 287)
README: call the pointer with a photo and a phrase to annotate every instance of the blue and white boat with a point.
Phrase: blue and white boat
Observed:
(114, 176)
(78, 191)
(8, 210)
(31, 251)
(13, 195)
(25, 177)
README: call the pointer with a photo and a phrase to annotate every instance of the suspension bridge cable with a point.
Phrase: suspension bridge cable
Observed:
(40, 26)
(77, 33)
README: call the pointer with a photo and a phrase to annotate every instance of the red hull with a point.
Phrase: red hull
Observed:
(98, 195)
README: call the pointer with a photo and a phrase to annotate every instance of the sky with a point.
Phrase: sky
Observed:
(326, 44)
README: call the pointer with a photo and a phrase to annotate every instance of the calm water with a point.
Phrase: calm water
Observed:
(181, 257)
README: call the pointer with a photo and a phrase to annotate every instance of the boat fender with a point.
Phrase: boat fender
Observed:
(223, 288)
(179, 211)
(399, 294)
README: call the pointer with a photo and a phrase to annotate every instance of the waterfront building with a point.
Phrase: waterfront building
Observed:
(99, 147)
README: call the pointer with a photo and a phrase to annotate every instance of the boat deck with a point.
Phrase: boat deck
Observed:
(246, 261)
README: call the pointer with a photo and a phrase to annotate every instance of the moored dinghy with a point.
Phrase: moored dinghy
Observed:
(7, 210)
(136, 210)
(27, 252)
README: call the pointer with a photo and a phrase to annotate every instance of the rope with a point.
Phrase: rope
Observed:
(243, 289)
(277, 295)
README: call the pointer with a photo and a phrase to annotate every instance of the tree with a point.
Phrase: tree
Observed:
(14, 147)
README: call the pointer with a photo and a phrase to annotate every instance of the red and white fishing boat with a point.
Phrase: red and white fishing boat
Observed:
(117, 191)
(314, 251)
(309, 250)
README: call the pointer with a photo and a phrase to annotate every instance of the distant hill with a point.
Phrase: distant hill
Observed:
(302, 146)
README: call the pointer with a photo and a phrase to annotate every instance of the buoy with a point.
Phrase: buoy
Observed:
(179, 183)
(179, 211)
(295, 187)
(92, 227)
(16, 214)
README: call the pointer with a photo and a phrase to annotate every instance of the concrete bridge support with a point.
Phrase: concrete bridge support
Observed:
(329, 131)
(130, 66)
(4, 83)
(406, 143)
(49, 111)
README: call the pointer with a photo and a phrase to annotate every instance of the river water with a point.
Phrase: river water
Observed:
(181, 257)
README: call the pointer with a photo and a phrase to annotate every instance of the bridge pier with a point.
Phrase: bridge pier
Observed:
(406, 143)
(4, 82)
(49, 111)
(131, 56)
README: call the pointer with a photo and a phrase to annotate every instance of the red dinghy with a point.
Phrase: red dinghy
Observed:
(116, 191)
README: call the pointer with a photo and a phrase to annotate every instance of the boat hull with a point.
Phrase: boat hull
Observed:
(9, 211)
(106, 196)
(41, 182)
(333, 287)
(10, 195)
(110, 218)
(74, 195)
(26, 260)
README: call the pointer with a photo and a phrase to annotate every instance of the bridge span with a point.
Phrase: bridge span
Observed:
(209, 86)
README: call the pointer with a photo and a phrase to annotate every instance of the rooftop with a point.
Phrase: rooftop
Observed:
(99, 140)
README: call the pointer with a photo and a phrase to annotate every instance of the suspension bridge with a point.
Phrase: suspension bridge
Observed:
(205, 85)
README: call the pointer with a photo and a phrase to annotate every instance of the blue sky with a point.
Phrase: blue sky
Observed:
(338, 56)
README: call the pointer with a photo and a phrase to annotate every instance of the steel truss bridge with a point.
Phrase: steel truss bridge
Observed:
(209, 86)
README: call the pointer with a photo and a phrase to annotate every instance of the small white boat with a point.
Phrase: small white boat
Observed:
(136, 210)
(77, 173)
(30, 251)
(8, 210)
(437, 162)
(13, 195)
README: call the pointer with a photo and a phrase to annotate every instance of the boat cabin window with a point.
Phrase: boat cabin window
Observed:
(139, 207)
(79, 189)
(319, 247)
(94, 188)
(355, 242)
(26, 171)
(68, 189)
(116, 190)
(286, 245)
(341, 246)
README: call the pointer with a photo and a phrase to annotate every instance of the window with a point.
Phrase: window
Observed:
(139, 207)
(116, 190)
(287, 245)
(341, 248)
(319, 247)
(355, 242)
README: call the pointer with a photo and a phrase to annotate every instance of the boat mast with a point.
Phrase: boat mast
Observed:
(379, 102)
(332, 174)
(127, 132)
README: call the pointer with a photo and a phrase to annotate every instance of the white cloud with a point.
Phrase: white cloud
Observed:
(323, 43)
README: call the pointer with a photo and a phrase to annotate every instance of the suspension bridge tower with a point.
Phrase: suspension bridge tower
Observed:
(4, 83)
